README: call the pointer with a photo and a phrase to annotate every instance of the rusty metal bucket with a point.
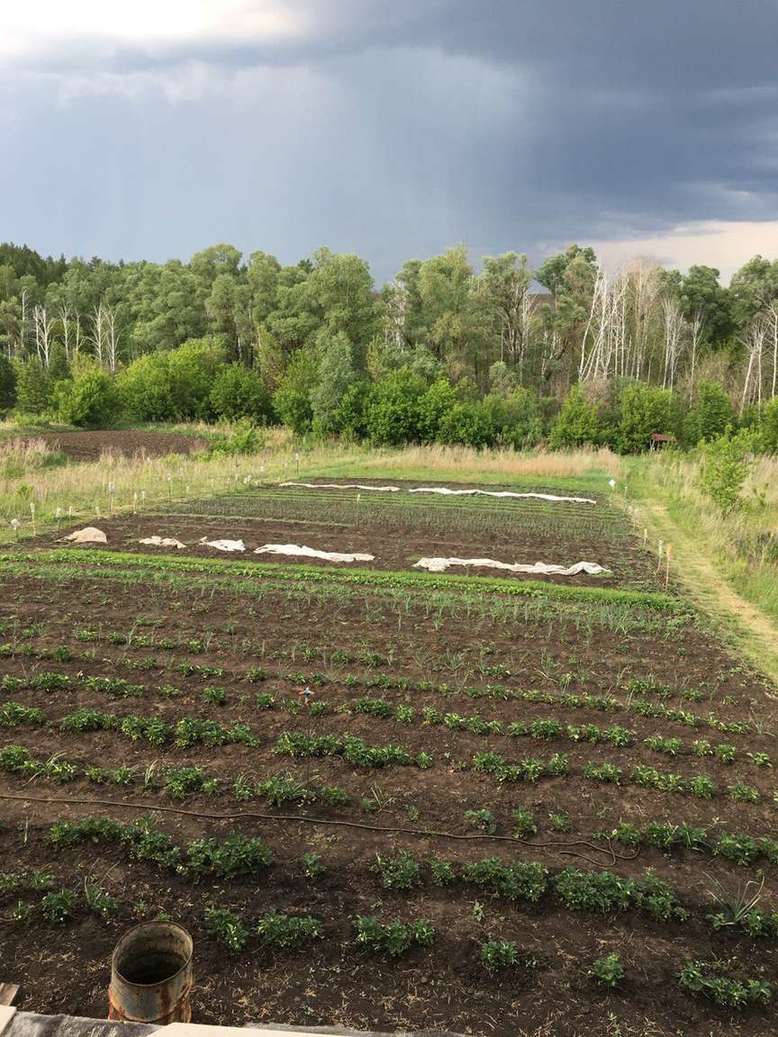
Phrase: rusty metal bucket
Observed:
(151, 975)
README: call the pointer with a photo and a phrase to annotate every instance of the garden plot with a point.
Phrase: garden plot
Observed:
(372, 734)
(399, 529)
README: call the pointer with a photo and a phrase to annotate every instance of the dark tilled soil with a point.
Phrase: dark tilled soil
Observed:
(630, 563)
(146, 633)
(90, 445)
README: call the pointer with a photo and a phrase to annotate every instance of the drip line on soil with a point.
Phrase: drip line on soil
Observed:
(254, 815)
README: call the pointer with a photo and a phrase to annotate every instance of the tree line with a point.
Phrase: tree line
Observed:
(445, 352)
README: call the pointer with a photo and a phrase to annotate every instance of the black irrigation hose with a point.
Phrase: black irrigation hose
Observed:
(243, 814)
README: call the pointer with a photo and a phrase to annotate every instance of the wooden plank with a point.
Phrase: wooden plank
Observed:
(8, 992)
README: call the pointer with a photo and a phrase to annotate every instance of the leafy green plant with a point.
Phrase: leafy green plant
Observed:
(281, 930)
(399, 872)
(524, 823)
(483, 819)
(523, 880)
(234, 855)
(227, 927)
(743, 793)
(608, 971)
(707, 979)
(312, 865)
(394, 938)
(57, 907)
(499, 954)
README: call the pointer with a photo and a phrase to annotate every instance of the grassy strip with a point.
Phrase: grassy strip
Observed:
(742, 602)
(13, 563)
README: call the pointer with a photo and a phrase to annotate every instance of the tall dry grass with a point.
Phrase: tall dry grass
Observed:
(589, 469)
(42, 498)
(745, 542)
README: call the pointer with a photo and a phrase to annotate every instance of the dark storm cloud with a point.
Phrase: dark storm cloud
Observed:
(395, 129)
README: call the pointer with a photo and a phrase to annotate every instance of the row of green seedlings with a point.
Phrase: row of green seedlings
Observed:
(399, 594)
(282, 931)
(699, 786)
(640, 706)
(527, 881)
(739, 847)
(600, 892)
(600, 703)
(118, 687)
(155, 731)
(53, 906)
(176, 782)
(545, 729)
(284, 788)
(394, 939)
(192, 731)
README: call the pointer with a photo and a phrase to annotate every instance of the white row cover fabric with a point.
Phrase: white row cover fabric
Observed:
(301, 551)
(442, 490)
(342, 486)
(439, 565)
(89, 535)
(445, 491)
(158, 541)
(223, 545)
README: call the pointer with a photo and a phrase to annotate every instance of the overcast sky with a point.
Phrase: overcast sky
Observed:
(391, 128)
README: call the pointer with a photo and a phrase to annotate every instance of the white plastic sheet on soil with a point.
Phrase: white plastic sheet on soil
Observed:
(342, 486)
(442, 490)
(158, 541)
(89, 535)
(223, 545)
(439, 565)
(301, 551)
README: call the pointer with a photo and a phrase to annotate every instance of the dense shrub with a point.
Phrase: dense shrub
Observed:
(145, 389)
(644, 409)
(7, 383)
(239, 392)
(89, 399)
(577, 423)
(709, 416)
(394, 411)
(172, 385)
(469, 424)
(725, 467)
(292, 399)
(768, 429)
(434, 405)
(34, 385)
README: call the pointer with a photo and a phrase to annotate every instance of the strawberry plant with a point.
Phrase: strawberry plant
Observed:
(499, 954)
(226, 927)
(394, 938)
(608, 971)
(399, 872)
(284, 931)
(701, 977)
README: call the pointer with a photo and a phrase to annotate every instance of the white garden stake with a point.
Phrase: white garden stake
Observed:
(667, 568)
(32, 514)
(15, 523)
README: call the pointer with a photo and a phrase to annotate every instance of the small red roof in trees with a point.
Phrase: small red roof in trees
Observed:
(660, 437)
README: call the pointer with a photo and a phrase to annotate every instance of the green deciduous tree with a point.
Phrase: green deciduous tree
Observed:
(238, 392)
(89, 398)
(577, 422)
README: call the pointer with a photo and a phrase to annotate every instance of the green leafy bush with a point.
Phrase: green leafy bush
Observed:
(394, 938)
(608, 971)
(701, 977)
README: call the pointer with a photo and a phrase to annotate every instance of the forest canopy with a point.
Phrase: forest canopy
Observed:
(448, 351)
